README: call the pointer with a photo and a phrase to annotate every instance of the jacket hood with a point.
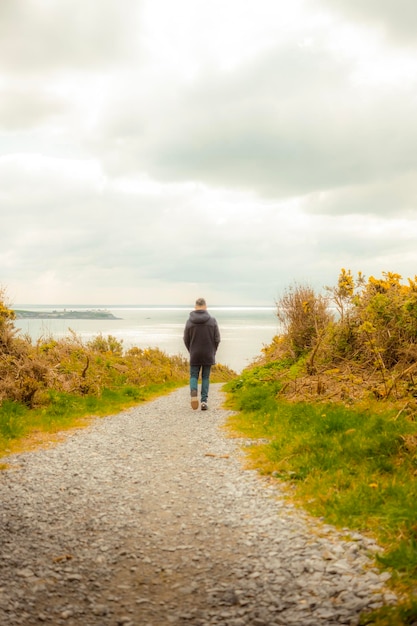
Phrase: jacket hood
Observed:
(199, 316)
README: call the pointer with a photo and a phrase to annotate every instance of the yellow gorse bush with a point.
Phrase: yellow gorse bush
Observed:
(364, 329)
(345, 284)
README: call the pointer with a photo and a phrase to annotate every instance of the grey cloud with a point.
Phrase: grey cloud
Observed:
(135, 238)
(398, 19)
(393, 196)
(38, 35)
(24, 107)
(120, 244)
(292, 123)
(364, 243)
(256, 257)
(58, 221)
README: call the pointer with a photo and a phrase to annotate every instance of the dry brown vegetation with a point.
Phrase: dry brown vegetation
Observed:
(31, 371)
(356, 341)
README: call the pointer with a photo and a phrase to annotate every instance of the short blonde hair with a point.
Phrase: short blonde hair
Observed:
(200, 302)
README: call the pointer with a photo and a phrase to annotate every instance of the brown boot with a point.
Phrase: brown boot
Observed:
(194, 399)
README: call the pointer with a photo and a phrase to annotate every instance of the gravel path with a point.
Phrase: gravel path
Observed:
(148, 518)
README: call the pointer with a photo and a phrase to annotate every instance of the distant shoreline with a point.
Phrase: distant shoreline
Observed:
(66, 315)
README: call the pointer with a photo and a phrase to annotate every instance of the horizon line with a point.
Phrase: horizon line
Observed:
(152, 305)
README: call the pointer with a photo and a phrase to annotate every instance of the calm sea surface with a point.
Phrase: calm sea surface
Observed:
(244, 330)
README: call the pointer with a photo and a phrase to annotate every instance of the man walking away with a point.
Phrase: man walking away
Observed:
(201, 338)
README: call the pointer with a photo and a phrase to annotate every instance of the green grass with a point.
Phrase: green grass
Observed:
(13, 422)
(355, 468)
(404, 614)
(351, 466)
(64, 411)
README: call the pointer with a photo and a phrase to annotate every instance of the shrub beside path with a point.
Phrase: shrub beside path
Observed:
(148, 517)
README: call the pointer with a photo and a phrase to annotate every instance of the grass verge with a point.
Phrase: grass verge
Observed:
(354, 467)
(22, 428)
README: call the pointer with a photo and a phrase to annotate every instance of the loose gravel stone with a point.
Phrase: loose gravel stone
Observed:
(148, 518)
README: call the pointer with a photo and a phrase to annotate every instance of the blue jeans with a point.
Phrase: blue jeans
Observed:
(205, 379)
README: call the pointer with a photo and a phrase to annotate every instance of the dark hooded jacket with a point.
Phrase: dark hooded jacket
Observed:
(201, 337)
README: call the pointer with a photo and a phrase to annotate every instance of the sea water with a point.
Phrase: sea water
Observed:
(244, 330)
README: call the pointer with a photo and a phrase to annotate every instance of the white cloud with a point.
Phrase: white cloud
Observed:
(149, 148)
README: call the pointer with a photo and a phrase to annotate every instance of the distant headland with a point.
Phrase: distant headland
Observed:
(66, 315)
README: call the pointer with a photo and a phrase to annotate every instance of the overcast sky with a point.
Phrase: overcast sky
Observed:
(154, 151)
